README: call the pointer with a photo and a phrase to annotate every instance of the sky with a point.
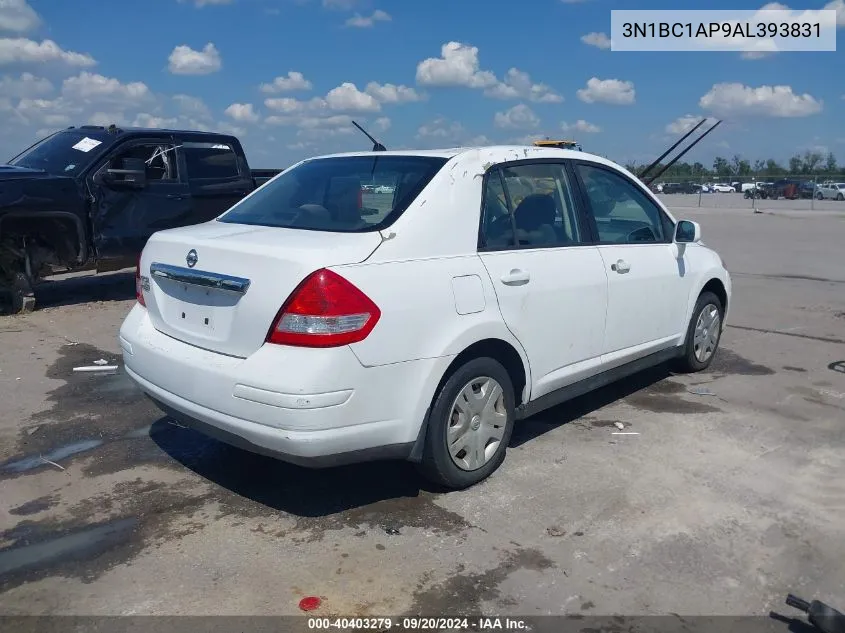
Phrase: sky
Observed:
(288, 77)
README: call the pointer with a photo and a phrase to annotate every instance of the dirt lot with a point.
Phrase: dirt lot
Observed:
(726, 500)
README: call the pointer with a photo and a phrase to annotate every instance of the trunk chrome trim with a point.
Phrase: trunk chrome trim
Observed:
(200, 278)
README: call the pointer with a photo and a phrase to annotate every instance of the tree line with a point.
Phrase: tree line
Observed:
(808, 164)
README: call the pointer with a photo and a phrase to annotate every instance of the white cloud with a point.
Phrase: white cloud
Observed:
(457, 66)
(144, 119)
(107, 118)
(27, 85)
(289, 105)
(309, 121)
(839, 7)
(441, 128)
(17, 16)
(243, 112)
(390, 93)
(341, 5)
(518, 85)
(347, 98)
(683, 124)
(381, 124)
(91, 87)
(736, 99)
(24, 51)
(186, 61)
(192, 106)
(580, 126)
(519, 117)
(612, 91)
(528, 139)
(364, 22)
(755, 54)
(287, 83)
(45, 112)
(599, 40)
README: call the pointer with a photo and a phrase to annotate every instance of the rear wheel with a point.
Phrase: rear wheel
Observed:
(703, 334)
(840, 197)
(470, 425)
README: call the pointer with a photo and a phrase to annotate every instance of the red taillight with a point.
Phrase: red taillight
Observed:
(325, 310)
(139, 286)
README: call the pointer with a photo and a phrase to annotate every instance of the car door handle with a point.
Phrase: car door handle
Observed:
(621, 267)
(516, 277)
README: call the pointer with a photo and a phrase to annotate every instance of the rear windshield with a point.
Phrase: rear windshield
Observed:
(344, 194)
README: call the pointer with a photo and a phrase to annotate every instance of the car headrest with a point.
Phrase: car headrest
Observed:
(534, 211)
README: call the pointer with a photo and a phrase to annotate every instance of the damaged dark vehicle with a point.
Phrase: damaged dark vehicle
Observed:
(88, 198)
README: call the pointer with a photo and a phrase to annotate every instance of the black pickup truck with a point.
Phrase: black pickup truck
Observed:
(89, 197)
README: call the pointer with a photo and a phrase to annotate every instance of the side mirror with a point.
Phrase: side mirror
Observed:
(132, 174)
(687, 231)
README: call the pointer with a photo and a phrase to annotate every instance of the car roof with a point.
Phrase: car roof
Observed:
(489, 153)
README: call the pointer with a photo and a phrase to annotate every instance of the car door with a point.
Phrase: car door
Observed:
(127, 210)
(550, 281)
(216, 174)
(648, 276)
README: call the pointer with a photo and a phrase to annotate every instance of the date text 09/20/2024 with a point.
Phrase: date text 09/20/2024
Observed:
(418, 624)
(721, 29)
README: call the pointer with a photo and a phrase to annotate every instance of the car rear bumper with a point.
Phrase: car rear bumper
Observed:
(314, 407)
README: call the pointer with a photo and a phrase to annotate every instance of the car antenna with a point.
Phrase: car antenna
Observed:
(377, 147)
(668, 151)
(679, 156)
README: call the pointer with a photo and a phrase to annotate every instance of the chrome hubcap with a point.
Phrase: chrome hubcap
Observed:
(477, 423)
(707, 331)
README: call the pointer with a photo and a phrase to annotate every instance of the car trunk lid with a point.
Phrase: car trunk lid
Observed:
(219, 286)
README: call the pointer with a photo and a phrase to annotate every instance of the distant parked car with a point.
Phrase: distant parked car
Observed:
(723, 188)
(831, 191)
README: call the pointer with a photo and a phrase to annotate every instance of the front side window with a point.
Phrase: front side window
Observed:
(529, 205)
(342, 194)
(210, 160)
(622, 211)
(159, 160)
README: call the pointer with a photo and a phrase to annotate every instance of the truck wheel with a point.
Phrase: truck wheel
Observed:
(470, 425)
(840, 197)
(18, 297)
(703, 334)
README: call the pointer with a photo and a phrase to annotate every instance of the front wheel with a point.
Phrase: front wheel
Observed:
(703, 334)
(17, 297)
(470, 425)
(819, 196)
(840, 197)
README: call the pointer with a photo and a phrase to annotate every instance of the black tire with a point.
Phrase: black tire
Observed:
(819, 196)
(17, 297)
(437, 464)
(688, 362)
(840, 197)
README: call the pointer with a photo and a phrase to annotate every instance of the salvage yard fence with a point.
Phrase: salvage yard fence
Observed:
(809, 193)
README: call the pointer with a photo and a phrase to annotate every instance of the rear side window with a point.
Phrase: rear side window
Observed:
(210, 160)
(342, 194)
(535, 200)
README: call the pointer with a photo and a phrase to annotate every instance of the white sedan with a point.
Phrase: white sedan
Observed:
(502, 281)
(831, 190)
(723, 188)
